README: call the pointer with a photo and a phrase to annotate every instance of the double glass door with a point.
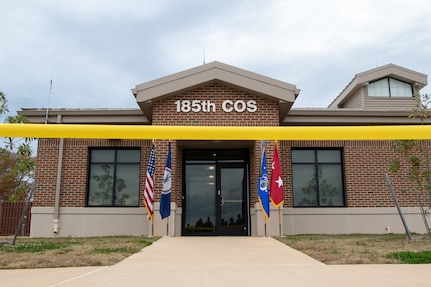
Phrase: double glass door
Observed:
(215, 197)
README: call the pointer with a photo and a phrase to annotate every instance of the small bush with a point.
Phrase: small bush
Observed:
(409, 257)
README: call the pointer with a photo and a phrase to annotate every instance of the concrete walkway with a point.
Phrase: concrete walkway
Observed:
(221, 261)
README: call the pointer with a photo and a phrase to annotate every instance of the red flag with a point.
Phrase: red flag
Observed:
(276, 187)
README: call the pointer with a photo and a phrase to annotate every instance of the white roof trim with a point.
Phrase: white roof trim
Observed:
(191, 78)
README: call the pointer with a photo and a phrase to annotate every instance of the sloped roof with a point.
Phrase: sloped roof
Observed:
(418, 80)
(263, 86)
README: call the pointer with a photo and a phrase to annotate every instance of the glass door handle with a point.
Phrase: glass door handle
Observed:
(221, 197)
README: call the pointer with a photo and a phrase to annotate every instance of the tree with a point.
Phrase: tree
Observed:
(16, 162)
(415, 156)
(105, 183)
(326, 191)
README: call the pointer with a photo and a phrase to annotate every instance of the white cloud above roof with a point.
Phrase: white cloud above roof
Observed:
(96, 51)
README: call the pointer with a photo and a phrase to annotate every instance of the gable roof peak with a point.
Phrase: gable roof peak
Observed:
(266, 87)
(418, 80)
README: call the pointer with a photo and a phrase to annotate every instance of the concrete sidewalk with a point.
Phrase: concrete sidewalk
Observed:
(221, 261)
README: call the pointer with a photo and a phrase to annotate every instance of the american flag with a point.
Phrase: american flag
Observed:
(149, 184)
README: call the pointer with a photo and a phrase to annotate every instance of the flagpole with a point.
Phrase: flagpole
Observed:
(262, 148)
(167, 218)
(149, 189)
(264, 224)
(152, 217)
(279, 209)
(276, 186)
(165, 199)
(153, 142)
(167, 226)
(263, 188)
(279, 222)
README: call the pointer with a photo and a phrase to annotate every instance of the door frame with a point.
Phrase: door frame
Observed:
(222, 229)
(222, 157)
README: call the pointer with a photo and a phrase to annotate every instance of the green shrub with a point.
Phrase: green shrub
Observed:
(409, 257)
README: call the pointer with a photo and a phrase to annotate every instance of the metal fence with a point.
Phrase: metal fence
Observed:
(10, 214)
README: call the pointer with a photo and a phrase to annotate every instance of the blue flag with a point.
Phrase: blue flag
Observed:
(263, 191)
(165, 201)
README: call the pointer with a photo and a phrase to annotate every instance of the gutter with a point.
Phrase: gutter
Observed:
(56, 221)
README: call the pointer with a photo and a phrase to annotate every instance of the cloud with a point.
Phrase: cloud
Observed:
(96, 51)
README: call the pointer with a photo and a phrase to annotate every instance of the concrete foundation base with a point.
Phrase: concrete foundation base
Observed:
(87, 222)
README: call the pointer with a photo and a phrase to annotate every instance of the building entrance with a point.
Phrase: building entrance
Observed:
(215, 192)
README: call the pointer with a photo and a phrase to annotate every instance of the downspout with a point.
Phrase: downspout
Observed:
(56, 221)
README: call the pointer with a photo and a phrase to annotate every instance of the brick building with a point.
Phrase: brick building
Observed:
(88, 187)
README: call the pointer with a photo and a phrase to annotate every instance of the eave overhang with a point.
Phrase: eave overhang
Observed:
(84, 116)
(349, 117)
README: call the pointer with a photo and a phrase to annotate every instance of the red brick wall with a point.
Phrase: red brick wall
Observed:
(75, 169)
(165, 113)
(75, 157)
(365, 163)
(161, 154)
(46, 172)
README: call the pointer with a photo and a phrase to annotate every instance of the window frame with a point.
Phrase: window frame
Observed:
(315, 165)
(390, 92)
(115, 163)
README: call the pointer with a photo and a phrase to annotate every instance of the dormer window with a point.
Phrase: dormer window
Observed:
(389, 87)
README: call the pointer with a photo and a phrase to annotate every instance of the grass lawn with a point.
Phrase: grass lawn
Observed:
(363, 248)
(103, 251)
(70, 252)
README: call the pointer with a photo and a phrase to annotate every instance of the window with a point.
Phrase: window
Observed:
(113, 178)
(389, 87)
(317, 177)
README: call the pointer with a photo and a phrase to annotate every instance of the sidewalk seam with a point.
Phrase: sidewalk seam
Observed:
(77, 277)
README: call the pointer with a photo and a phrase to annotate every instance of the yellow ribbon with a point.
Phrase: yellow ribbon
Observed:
(415, 132)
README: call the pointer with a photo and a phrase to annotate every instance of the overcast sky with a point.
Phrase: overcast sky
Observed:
(95, 51)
